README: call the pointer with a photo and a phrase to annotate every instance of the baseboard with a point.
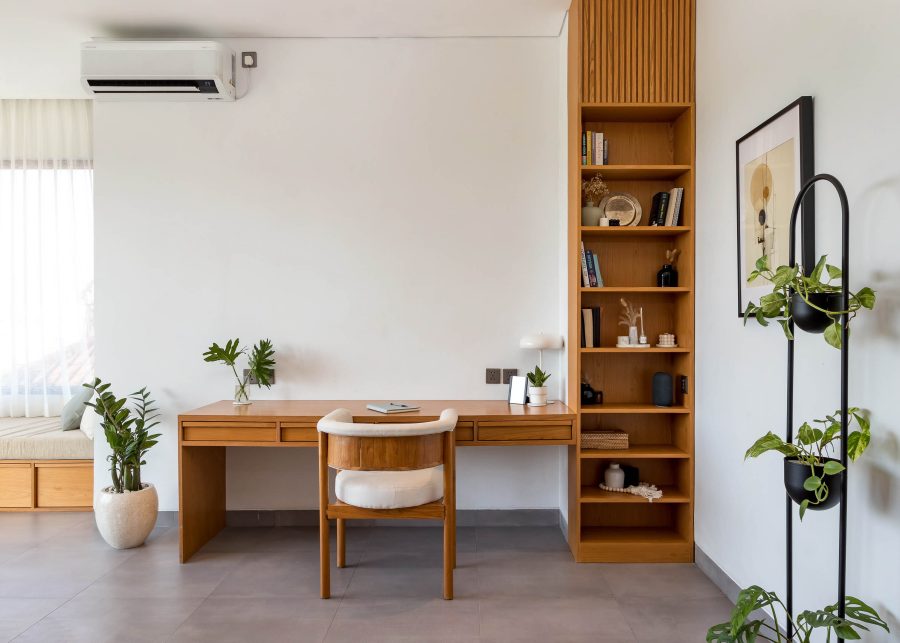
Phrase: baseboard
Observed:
(464, 518)
(167, 519)
(716, 574)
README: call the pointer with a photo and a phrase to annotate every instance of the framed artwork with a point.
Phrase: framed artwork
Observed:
(774, 160)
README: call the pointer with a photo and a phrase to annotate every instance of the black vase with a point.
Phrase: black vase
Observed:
(662, 389)
(667, 277)
(796, 473)
(808, 318)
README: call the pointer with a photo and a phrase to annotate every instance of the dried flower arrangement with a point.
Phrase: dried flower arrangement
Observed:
(629, 316)
(594, 190)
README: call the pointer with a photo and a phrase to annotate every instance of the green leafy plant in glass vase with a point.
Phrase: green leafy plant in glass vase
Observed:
(260, 365)
(814, 305)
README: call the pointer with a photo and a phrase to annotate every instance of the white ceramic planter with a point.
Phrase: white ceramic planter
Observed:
(590, 215)
(537, 396)
(126, 519)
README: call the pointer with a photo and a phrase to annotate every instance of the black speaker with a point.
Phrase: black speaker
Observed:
(663, 389)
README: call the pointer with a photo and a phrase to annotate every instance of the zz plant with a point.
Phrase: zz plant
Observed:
(813, 447)
(127, 431)
(788, 280)
(260, 364)
(744, 629)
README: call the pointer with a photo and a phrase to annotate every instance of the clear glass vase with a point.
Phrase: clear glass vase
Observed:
(241, 394)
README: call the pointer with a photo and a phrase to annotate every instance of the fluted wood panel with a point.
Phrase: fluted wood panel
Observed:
(637, 51)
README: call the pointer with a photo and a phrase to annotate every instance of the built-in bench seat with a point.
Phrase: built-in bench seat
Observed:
(43, 468)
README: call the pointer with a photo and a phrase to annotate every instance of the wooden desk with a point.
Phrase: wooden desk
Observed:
(204, 433)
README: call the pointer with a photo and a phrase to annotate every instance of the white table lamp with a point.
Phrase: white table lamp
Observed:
(541, 342)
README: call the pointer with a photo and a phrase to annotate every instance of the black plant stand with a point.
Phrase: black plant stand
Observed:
(845, 348)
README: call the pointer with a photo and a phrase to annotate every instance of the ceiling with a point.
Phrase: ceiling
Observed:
(39, 39)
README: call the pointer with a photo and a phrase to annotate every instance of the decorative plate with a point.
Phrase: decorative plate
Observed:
(621, 206)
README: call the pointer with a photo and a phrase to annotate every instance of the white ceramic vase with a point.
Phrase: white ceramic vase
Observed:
(126, 519)
(590, 214)
(614, 477)
(537, 396)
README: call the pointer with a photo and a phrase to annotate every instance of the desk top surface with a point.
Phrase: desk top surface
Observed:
(313, 410)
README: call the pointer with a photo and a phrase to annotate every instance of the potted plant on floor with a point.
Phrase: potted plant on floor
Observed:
(813, 304)
(537, 391)
(125, 512)
(744, 629)
(260, 365)
(812, 478)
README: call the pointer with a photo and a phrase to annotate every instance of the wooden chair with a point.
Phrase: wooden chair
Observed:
(387, 471)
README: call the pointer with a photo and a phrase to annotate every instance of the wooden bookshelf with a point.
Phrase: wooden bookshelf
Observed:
(646, 111)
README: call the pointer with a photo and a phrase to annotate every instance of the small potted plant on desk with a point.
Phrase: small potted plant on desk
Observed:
(537, 391)
(126, 511)
(260, 365)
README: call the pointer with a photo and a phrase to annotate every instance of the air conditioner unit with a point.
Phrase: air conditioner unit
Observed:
(157, 70)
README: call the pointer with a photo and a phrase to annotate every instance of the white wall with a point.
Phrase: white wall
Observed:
(385, 210)
(753, 58)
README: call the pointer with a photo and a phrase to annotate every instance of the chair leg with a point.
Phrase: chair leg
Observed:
(324, 558)
(449, 559)
(341, 543)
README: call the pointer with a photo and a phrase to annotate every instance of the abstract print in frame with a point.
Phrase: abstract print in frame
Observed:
(774, 160)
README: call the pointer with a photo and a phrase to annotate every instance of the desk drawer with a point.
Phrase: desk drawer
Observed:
(509, 431)
(299, 432)
(229, 431)
(465, 432)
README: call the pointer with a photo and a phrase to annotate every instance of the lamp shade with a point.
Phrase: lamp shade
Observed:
(540, 341)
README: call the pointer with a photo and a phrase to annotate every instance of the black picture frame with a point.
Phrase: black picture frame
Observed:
(807, 235)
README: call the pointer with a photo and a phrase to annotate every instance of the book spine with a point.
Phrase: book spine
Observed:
(595, 318)
(590, 147)
(663, 206)
(654, 208)
(584, 270)
(584, 148)
(670, 211)
(590, 266)
(597, 270)
(679, 198)
(601, 142)
(587, 327)
(605, 151)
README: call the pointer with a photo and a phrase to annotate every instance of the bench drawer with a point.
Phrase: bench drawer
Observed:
(299, 432)
(522, 431)
(229, 431)
(63, 485)
(15, 485)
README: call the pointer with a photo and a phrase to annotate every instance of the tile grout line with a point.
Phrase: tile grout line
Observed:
(365, 550)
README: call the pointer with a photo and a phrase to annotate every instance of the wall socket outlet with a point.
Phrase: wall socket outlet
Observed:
(252, 380)
(492, 376)
(508, 373)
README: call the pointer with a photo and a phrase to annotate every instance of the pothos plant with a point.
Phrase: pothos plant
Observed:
(787, 280)
(537, 377)
(260, 364)
(127, 431)
(744, 629)
(814, 446)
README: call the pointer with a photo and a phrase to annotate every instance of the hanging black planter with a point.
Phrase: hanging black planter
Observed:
(810, 319)
(796, 473)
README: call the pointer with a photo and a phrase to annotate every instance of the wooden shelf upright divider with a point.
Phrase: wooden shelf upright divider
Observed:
(631, 76)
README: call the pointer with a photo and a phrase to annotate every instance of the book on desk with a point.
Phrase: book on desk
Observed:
(391, 407)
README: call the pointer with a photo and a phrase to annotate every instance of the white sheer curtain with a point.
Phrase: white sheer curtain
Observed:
(46, 254)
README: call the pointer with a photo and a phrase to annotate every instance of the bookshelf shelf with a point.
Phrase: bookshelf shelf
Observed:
(671, 495)
(645, 231)
(648, 409)
(643, 451)
(614, 172)
(646, 115)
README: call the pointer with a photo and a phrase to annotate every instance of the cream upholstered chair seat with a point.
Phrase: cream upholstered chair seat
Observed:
(389, 489)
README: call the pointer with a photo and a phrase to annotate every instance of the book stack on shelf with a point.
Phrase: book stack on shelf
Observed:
(590, 327)
(590, 269)
(594, 148)
(665, 209)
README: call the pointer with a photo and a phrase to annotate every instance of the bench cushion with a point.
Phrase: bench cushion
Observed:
(389, 489)
(42, 439)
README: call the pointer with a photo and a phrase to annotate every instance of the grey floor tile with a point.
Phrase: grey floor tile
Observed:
(18, 614)
(572, 618)
(520, 539)
(112, 619)
(537, 575)
(30, 529)
(683, 581)
(408, 618)
(674, 620)
(57, 573)
(281, 574)
(259, 619)
(418, 539)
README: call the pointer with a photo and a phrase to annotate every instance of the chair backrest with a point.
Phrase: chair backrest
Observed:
(368, 446)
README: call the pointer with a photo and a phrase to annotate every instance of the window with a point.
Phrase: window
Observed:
(46, 254)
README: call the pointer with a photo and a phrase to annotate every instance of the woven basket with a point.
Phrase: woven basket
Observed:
(605, 439)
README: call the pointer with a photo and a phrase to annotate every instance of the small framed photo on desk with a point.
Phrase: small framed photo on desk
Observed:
(518, 389)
